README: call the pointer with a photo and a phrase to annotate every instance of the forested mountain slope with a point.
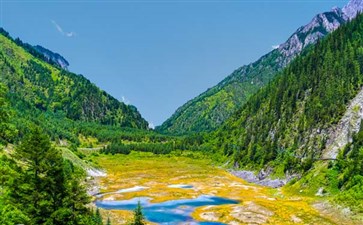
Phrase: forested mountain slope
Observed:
(210, 109)
(40, 52)
(287, 123)
(36, 87)
(37, 185)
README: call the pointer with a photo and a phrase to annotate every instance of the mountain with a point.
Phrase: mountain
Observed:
(53, 58)
(311, 113)
(39, 89)
(210, 109)
(40, 52)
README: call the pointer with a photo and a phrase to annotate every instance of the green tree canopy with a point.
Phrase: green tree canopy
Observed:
(139, 218)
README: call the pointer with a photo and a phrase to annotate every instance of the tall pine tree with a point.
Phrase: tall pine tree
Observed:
(138, 215)
(40, 189)
(48, 188)
(7, 130)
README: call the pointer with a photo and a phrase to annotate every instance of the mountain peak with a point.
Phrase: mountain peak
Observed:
(321, 25)
(353, 8)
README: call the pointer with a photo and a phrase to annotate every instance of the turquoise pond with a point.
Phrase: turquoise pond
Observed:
(169, 212)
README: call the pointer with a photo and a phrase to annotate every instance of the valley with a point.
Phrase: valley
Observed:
(182, 186)
(291, 123)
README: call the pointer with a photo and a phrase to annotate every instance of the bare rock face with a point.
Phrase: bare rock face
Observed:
(352, 9)
(321, 25)
(320, 192)
(263, 177)
(342, 133)
(52, 57)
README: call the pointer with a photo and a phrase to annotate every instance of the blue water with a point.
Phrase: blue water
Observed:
(169, 212)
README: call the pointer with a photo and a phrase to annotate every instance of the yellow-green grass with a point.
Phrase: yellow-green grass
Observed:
(158, 171)
(89, 142)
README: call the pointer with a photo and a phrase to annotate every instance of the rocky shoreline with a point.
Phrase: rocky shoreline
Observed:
(93, 174)
(262, 178)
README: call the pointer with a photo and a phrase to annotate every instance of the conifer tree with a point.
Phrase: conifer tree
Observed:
(138, 215)
(41, 184)
(7, 130)
(98, 217)
(47, 188)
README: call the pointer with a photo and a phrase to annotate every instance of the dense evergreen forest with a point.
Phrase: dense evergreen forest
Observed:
(309, 95)
(285, 124)
(156, 144)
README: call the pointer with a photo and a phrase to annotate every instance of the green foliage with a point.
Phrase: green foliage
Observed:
(138, 216)
(350, 169)
(284, 122)
(106, 133)
(342, 179)
(7, 130)
(124, 143)
(9, 215)
(97, 218)
(40, 187)
(156, 148)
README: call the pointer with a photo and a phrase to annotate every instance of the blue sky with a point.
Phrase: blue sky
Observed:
(157, 55)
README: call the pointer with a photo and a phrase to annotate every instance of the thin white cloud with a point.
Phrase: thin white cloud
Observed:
(71, 34)
(275, 46)
(61, 31)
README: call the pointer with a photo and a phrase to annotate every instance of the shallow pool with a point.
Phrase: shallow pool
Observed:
(169, 212)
